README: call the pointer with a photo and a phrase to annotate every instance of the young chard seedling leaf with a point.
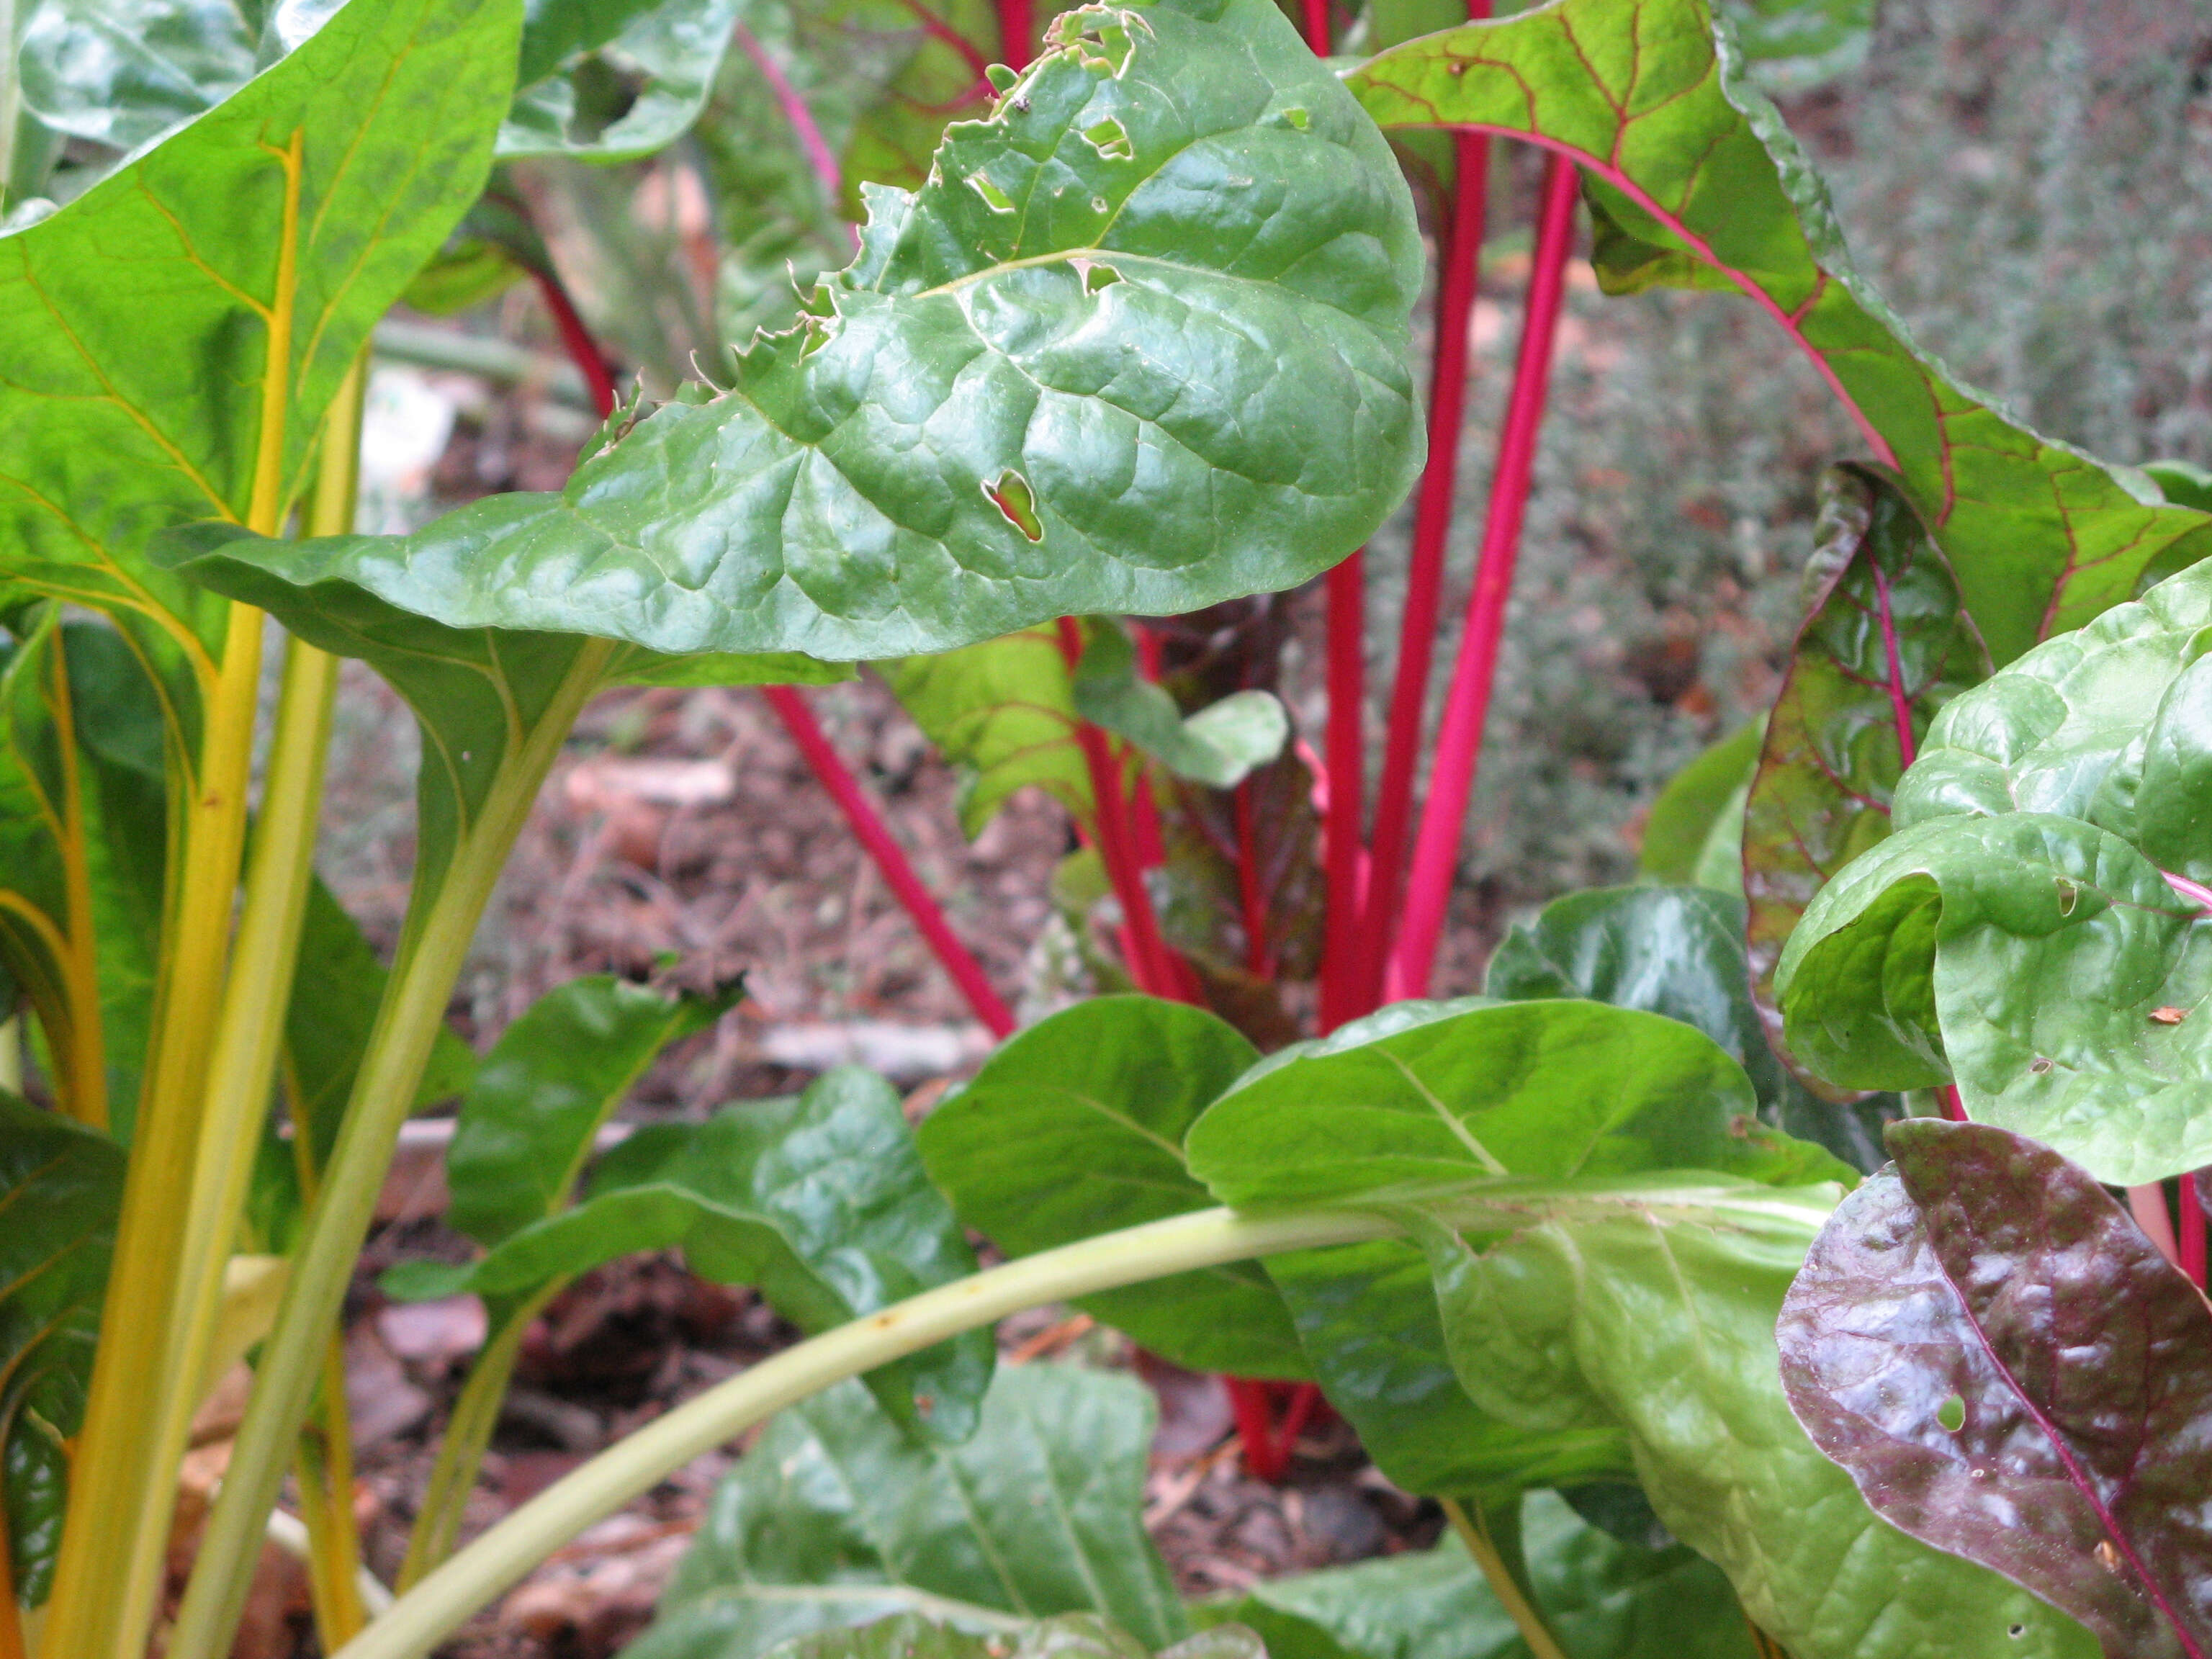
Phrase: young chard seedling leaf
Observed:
(2011, 1371)
(1693, 178)
(1075, 1126)
(59, 1188)
(1216, 746)
(1234, 413)
(2019, 933)
(819, 1201)
(1884, 645)
(836, 1518)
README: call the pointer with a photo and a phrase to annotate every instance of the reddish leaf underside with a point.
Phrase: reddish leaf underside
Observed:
(2011, 1371)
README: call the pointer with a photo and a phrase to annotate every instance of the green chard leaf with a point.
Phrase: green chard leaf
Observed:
(1702, 805)
(60, 1186)
(1069, 1636)
(1661, 1325)
(1884, 647)
(527, 1125)
(1602, 1598)
(2018, 935)
(820, 1201)
(942, 78)
(1002, 712)
(83, 846)
(1679, 951)
(2011, 1371)
(119, 73)
(1427, 1097)
(1075, 1126)
(286, 218)
(601, 82)
(1138, 345)
(1218, 746)
(836, 1518)
(1693, 180)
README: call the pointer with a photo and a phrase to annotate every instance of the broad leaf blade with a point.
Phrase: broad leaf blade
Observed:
(836, 1517)
(293, 212)
(1663, 1325)
(820, 1201)
(600, 82)
(59, 1188)
(1988, 1280)
(1003, 713)
(1678, 951)
(1026, 398)
(527, 1124)
(1692, 164)
(1074, 1127)
(1696, 804)
(1602, 1598)
(1883, 647)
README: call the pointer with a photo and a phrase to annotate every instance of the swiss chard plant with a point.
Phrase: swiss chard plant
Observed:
(1123, 335)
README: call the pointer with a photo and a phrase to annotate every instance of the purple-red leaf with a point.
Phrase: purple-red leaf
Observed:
(2011, 1371)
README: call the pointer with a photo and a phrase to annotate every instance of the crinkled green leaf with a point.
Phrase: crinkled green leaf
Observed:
(59, 1188)
(104, 440)
(2011, 1371)
(1697, 805)
(1423, 1096)
(1794, 45)
(1603, 1599)
(1003, 713)
(1679, 951)
(1074, 1127)
(2017, 935)
(1061, 378)
(1690, 163)
(120, 72)
(1884, 645)
(527, 1124)
(1663, 1325)
(1218, 746)
(609, 80)
(820, 1201)
(836, 1518)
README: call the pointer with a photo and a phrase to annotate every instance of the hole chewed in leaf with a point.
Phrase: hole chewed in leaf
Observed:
(1097, 274)
(1952, 1414)
(994, 198)
(1013, 497)
(1109, 138)
(1297, 117)
(2068, 896)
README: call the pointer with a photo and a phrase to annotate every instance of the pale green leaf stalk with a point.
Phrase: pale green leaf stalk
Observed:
(431, 957)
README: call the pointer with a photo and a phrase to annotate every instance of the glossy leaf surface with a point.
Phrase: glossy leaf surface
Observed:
(120, 72)
(287, 218)
(59, 1188)
(2011, 1371)
(1884, 645)
(837, 1518)
(1696, 179)
(1603, 1599)
(1678, 951)
(1139, 346)
(1075, 1126)
(820, 1201)
(1661, 1325)
(526, 1127)
(1426, 1097)
(604, 83)
(2017, 933)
